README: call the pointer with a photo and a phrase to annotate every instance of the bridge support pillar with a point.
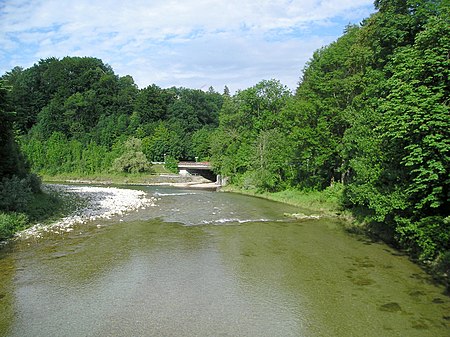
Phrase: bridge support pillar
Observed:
(221, 181)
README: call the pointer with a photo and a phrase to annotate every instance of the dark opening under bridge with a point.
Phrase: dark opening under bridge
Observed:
(203, 169)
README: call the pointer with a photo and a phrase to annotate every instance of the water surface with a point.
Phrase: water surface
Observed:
(201, 263)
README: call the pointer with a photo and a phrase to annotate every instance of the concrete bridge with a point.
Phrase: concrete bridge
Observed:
(203, 169)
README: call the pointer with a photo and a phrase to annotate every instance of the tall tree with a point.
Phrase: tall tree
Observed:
(12, 162)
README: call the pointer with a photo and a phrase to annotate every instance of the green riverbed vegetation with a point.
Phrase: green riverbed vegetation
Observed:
(370, 117)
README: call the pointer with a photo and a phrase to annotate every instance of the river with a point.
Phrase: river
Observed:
(201, 263)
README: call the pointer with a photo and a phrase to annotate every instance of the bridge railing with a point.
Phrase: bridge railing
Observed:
(193, 164)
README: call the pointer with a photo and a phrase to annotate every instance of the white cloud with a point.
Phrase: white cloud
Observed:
(188, 43)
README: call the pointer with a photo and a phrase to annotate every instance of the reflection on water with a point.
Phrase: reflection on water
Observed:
(204, 264)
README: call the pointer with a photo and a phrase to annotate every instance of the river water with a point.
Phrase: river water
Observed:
(201, 263)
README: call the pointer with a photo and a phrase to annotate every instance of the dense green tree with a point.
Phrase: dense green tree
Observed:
(161, 143)
(320, 113)
(184, 114)
(230, 153)
(82, 99)
(25, 96)
(270, 168)
(110, 128)
(242, 119)
(193, 109)
(416, 134)
(201, 143)
(96, 158)
(397, 144)
(11, 162)
(126, 95)
(395, 25)
(35, 151)
(152, 104)
(416, 126)
(57, 153)
(18, 187)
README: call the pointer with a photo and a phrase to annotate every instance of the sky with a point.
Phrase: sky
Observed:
(184, 43)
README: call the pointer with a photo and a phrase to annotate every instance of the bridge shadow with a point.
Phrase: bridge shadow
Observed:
(203, 169)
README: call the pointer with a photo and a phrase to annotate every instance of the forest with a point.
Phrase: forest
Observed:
(370, 118)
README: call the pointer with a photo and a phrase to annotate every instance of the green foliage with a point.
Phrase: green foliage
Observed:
(69, 108)
(19, 189)
(16, 183)
(11, 223)
(201, 143)
(271, 160)
(15, 194)
(322, 109)
(171, 164)
(163, 142)
(248, 140)
(425, 238)
(400, 179)
(11, 162)
(132, 159)
(94, 158)
(417, 123)
(152, 103)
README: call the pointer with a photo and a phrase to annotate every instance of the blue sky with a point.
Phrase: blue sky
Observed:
(189, 43)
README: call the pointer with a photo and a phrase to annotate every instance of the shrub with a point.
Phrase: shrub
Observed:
(171, 164)
(15, 194)
(425, 238)
(11, 223)
(132, 159)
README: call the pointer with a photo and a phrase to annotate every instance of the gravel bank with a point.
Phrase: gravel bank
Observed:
(102, 203)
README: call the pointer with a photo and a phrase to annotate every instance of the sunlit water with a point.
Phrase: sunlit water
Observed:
(201, 263)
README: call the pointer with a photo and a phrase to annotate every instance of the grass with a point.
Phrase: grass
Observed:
(314, 200)
(160, 169)
(326, 202)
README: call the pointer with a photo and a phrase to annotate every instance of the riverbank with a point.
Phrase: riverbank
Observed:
(49, 206)
(89, 203)
(41, 207)
(138, 179)
(323, 203)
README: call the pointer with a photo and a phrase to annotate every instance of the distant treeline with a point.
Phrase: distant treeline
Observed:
(370, 115)
(75, 115)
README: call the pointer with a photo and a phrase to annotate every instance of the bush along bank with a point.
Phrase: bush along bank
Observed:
(23, 202)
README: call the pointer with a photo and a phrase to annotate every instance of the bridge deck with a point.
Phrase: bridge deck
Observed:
(194, 165)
